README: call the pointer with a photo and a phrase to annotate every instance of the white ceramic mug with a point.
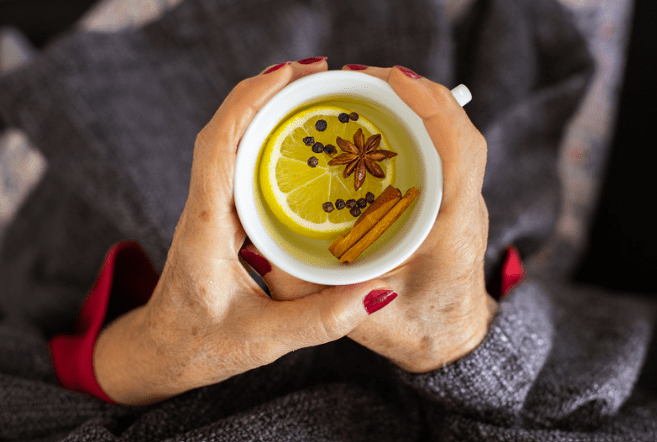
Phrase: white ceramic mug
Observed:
(309, 259)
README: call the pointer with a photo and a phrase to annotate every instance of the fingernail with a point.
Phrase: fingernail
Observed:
(377, 299)
(311, 60)
(259, 263)
(357, 67)
(276, 67)
(409, 73)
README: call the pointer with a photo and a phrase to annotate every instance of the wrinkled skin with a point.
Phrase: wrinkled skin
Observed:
(207, 320)
(443, 310)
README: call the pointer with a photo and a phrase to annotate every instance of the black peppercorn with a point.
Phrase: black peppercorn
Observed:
(353, 116)
(309, 141)
(351, 203)
(328, 207)
(362, 203)
(330, 149)
(339, 204)
(355, 212)
(318, 147)
(344, 118)
(369, 197)
(320, 125)
(312, 161)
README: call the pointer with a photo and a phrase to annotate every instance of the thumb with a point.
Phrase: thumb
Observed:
(326, 315)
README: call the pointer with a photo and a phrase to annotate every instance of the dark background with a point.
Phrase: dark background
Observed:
(623, 240)
(623, 243)
(41, 20)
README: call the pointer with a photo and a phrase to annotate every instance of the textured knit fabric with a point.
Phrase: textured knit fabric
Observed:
(116, 116)
(126, 281)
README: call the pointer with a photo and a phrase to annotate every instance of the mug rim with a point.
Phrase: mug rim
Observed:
(313, 87)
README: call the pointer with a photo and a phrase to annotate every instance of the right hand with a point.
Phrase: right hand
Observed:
(443, 310)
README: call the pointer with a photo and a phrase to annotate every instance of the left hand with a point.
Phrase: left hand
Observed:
(207, 320)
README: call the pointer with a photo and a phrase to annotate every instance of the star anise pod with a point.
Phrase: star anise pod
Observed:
(361, 157)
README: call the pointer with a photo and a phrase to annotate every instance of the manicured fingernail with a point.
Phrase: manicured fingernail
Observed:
(311, 60)
(357, 67)
(377, 299)
(409, 73)
(276, 67)
(259, 263)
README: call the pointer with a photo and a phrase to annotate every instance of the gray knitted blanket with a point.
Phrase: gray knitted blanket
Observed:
(116, 116)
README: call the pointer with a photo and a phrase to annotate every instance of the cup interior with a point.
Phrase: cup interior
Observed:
(418, 165)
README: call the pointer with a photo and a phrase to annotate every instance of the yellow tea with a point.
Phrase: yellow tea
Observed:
(309, 240)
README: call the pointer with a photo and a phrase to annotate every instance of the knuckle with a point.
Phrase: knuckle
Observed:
(332, 325)
(443, 97)
(260, 352)
(477, 157)
(441, 92)
(201, 138)
(242, 86)
(479, 140)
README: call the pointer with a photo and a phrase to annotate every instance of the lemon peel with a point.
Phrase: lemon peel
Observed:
(295, 192)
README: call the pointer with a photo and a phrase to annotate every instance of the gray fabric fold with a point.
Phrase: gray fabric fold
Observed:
(555, 358)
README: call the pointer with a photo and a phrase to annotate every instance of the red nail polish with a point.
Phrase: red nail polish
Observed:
(276, 67)
(259, 263)
(409, 73)
(377, 299)
(357, 67)
(311, 60)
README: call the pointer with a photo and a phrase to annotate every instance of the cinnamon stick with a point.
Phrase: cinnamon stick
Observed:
(380, 227)
(379, 207)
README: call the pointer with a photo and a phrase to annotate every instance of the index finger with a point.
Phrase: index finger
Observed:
(374, 71)
(209, 211)
(460, 92)
(461, 146)
(221, 136)
(245, 100)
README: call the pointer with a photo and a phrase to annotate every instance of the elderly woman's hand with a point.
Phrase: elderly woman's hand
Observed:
(443, 310)
(207, 320)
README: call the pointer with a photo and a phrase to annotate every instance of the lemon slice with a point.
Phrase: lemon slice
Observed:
(296, 192)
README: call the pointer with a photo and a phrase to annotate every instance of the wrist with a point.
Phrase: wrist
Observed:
(129, 367)
(473, 328)
(451, 340)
